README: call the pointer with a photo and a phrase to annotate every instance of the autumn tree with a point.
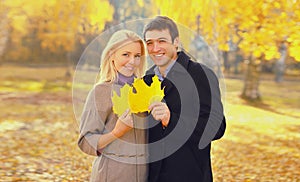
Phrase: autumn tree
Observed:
(130, 10)
(258, 28)
(65, 21)
(55, 26)
(14, 28)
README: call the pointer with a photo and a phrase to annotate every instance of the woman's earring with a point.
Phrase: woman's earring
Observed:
(113, 64)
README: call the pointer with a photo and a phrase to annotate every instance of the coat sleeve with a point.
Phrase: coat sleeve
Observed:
(93, 119)
(210, 123)
(221, 130)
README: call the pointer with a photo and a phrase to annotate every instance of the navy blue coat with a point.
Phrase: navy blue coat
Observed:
(181, 151)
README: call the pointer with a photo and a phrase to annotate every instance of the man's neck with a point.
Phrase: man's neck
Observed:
(163, 69)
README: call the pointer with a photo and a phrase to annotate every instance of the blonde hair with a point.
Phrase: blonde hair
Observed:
(108, 72)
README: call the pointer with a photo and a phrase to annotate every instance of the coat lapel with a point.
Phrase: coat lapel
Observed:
(179, 68)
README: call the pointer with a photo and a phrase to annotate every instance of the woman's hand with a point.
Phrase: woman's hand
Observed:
(123, 125)
(160, 112)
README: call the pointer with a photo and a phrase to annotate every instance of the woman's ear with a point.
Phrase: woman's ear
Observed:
(112, 58)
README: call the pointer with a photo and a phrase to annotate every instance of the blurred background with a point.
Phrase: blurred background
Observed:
(253, 46)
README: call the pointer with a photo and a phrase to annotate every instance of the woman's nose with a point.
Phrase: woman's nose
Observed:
(131, 60)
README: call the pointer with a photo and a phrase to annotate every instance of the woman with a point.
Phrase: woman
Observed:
(118, 142)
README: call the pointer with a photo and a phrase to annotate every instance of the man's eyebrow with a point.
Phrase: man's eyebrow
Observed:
(160, 38)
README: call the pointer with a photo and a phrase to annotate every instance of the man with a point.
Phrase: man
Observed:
(181, 127)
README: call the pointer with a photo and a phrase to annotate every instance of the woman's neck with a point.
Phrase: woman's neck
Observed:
(122, 79)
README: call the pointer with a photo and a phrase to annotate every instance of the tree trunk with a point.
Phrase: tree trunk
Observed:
(69, 66)
(226, 62)
(4, 34)
(280, 64)
(251, 82)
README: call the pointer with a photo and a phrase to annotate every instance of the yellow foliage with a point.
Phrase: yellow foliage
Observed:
(224, 47)
(120, 103)
(20, 23)
(137, 99)
(57, 22)
(19, 53)
(145, 95)
(294, 52)
(257, 53)
(259, 24)
(140, 3)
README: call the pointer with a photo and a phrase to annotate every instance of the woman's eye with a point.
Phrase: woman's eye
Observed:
(125, 55)
(137, 56)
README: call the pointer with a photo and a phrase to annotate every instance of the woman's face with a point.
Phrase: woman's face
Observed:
(127, 58)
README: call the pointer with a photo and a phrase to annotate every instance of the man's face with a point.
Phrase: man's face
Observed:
(160, 47)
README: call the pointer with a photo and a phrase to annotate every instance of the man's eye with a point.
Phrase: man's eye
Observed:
(162, 41)
(149, 43)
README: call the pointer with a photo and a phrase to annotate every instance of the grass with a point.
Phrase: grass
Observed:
(39, 130)
(261, 142)
(282, 98)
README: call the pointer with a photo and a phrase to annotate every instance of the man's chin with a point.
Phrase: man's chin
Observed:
(160, 61)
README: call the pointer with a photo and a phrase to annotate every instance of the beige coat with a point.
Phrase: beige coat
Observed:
(125, 158)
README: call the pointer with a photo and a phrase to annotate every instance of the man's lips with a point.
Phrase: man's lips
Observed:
(158, 55)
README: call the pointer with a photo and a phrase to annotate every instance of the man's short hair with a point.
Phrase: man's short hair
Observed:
(162, 23)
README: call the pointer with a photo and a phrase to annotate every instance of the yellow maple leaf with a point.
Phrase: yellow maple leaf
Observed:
(144, 95)
(120, 103)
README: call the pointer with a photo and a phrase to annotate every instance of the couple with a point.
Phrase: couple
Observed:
(175, 144)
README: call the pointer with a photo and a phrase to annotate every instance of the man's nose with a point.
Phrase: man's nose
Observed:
(156, 47)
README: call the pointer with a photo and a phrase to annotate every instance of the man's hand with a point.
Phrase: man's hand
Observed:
(160, 112)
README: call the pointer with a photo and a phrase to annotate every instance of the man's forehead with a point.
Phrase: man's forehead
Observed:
(157, 34)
